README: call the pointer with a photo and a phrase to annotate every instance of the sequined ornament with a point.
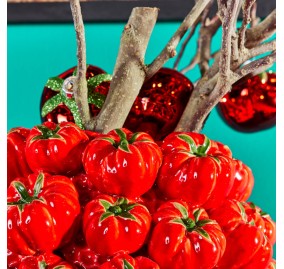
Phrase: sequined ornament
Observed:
(160, 104)
(251, 104)
(57, 101)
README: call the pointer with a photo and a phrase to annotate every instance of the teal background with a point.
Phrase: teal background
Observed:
(39, 51)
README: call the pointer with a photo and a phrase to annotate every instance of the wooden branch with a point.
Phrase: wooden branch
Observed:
(258, 66)
(170, 49)
(130, 71)
(80, 84)
(262, 31)
(246, 21)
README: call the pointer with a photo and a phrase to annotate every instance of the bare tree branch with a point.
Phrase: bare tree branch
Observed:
(262, 31)
(170, 49)
(80, 84)
(130, 71)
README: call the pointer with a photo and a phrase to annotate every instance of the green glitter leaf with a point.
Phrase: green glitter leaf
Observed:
(98, 79)
(71, 104)
(51, 104)
(55, 83)
(96, 99)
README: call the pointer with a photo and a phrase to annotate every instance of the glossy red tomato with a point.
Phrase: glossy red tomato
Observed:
(246, 236)
(125, 261)
(243, 182)
(113, 224)
(196, 170)
(122, 163)
(16, 160)
(40, 213)
(56, 148)
(81, 256)
(44, 262)
(183, 237)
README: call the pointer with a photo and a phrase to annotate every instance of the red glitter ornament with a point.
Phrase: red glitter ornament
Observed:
(62, 112)
(251, 104)
(160, 104)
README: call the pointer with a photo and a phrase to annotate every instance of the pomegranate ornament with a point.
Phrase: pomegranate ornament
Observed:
(251, 104)
(57, 101)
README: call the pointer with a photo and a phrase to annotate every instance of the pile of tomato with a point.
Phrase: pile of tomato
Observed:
(80, 199)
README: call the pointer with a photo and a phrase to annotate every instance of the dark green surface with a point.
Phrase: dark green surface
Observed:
(37, 52)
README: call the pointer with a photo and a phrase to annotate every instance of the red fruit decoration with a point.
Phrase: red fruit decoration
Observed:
(41, 211)
(160, 104)
(125, 261)
(183, 237)
(251, 104)
(113, 224)
(58, 106)
(156, 110)
(16, 160)
(249, 240)
(195, 169)
(122, 163)
(56, 148)
(43, 262)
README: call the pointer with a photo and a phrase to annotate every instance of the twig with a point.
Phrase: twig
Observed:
(170, 49)
(130, 71)
(262, 31)
(80, 84)
(185, 43)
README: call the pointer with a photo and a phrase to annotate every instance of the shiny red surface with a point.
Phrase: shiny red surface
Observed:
(251, 104)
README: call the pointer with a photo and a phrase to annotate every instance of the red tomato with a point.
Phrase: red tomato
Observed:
(44, 261)
(16, 160)
(81, 256)
(125, 261)
(272, 264)
(122, 163)
(85, 188)
(40, 213)
(113, 224)
(243, 182)
(185, 238)
(245, 234)
(56, 148)
(195, 170)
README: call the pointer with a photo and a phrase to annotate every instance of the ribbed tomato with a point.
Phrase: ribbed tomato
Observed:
(243, 182)
(125, 261)
(246, 236)
(195, 169)
(16, 160)
(113, 224)
(183, 237)
(122, 163)
(56, 148)
(40, 213)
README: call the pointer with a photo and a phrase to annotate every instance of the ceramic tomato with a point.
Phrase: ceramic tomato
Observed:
(40, 213)
(113, 224)
(122, 162)
(44, 262)
(183, 237)
(243, 182)
(16, 160)
(125, 261)
(85, 188)
(56, 148)
(246, 236)
(195, 169)
(81, 256)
